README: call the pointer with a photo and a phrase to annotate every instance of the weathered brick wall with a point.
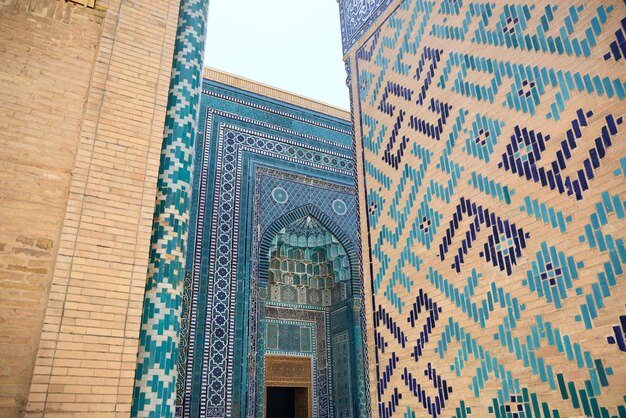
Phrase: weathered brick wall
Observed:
(47, 50)
(494, 180)
(81, 120)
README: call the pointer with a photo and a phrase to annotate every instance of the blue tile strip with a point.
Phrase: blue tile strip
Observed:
(155, 377)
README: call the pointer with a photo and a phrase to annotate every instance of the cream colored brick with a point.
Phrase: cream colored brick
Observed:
(101, 162)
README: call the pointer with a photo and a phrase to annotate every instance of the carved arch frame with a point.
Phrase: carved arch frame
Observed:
(260, 270)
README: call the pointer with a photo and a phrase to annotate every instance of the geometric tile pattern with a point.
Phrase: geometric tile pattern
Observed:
(552, 275)
(300, 194)
(484, 136)
(494, 176)
(524, 86)
(307, 266)
(232, 147)
(288, 337)
(618, 46)
(319, 352)
(525, 152)
(301, 191)
(258, 163)
(549, 215)
(513, 29)
(619, 334)
(342, 375)
(503, 246)
(598, 235)
(155, 377)
(356, 17)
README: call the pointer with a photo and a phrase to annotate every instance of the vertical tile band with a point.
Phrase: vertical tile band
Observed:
(155, 377)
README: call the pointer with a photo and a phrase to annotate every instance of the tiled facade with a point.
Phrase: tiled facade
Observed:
(265, 163)
(492, 176)
(487, 166)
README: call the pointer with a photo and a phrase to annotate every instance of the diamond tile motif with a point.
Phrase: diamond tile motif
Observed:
(493, 185)
(154, 392)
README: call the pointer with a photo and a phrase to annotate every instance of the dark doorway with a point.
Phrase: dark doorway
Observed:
(287, 402)
(281, 402)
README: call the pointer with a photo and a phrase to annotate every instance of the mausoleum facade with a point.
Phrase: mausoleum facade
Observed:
(179, 241)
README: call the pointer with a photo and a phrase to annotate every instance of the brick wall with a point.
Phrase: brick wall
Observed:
(47, 56)
(494, 189)
(81, 121)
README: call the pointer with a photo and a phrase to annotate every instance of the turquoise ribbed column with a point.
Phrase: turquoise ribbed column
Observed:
(154, 393)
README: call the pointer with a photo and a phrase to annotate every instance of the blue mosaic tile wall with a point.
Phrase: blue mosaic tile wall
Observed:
(307, 264)
(260, 164)
(288, 337)
(356, 17)
(322, 356)
(492, 145)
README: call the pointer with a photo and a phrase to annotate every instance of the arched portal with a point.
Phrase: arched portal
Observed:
(307, 266)
(309, 307)
(253, 179)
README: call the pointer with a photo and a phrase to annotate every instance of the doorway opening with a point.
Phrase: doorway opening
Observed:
(287, 402)
(288, 387)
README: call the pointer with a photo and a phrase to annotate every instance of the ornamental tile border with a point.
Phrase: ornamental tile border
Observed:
(240, 142)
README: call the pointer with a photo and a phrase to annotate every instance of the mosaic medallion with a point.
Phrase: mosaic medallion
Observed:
(280, 195)
(339, 207)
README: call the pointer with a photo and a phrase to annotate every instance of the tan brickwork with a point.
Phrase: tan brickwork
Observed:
(81, 123)
(399, 210)
(88, 3)
(47, 51)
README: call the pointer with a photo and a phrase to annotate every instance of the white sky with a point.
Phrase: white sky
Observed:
(294, 45)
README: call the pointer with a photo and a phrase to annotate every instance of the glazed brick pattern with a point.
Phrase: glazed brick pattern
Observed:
(264, 160)
(155, 377)
(493, 165)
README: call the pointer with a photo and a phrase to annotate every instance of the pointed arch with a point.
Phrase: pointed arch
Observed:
(326, 222)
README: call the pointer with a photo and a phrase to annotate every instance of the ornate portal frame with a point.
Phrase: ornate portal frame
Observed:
(260, 249)
(289, 371)
(220, 319)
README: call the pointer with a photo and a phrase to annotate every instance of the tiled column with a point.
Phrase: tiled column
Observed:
(155, 378)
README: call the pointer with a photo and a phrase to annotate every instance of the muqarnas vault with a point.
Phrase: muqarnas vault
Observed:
(273, 309)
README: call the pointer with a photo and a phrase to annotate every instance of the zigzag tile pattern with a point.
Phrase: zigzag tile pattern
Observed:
(494, 176)
(154, 392)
